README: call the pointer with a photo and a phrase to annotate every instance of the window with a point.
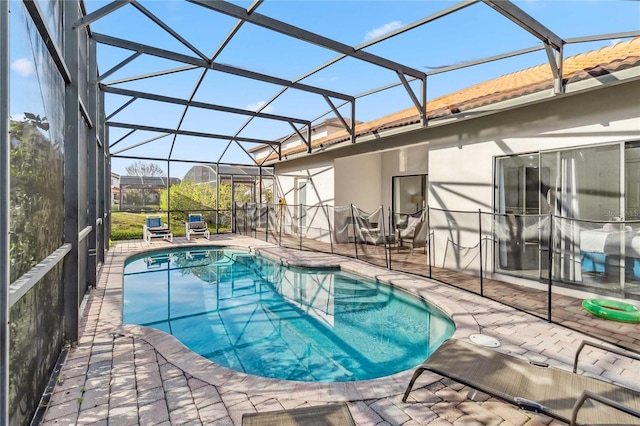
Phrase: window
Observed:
(409, 193)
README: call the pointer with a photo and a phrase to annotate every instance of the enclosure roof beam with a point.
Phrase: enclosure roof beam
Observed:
(122, 138)
(132, 157)
(151, 74)
(524, 20)
(203, 72)
(228, 69)
(188, 133)
(612, 36)
(167, 28)
(278, 81)
(155, 138)
(203, 105)
(306, 140)
(126, 104)
(467, 64)
(304, 35)
(149, 50)
(347, 127)
(103, 11)
(118, 66)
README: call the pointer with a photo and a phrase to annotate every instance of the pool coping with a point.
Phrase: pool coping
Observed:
(207, 371)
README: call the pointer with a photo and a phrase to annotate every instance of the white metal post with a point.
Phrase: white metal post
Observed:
(4, 212)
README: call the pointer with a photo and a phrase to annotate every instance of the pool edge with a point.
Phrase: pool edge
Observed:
(207, 371)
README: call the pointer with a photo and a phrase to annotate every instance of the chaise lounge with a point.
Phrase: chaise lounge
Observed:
(535, 386)
(196, 226)
(154, 228)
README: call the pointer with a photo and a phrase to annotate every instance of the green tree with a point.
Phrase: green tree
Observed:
(267, 195)
(187, 196)
(36, 206)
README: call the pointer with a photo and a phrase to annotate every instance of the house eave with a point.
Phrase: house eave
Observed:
(582, 86)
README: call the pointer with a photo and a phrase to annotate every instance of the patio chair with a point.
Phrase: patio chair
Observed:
(196, 226)
(321, 415)
(154, 228)
(414, 237)
(370, 235)
(535, 386)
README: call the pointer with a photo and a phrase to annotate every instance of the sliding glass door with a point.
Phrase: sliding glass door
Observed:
(409, 193)
(522, 186)
(582, 189)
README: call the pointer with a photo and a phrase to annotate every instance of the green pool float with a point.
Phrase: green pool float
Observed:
(612, 310)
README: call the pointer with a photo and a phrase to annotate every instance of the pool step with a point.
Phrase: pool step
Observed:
(353, 288)
(359, 303)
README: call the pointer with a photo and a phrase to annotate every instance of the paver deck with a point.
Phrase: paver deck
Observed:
(129, 375)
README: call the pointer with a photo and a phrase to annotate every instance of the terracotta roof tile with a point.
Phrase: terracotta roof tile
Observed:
(579, 67)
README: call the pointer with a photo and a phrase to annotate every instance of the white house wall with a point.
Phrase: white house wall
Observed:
(369, 178)
(460, 159)
(405, 161)
(319, 174)
(462, 156)
(359, 179)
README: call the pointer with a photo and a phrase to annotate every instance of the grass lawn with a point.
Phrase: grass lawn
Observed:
(128, 226)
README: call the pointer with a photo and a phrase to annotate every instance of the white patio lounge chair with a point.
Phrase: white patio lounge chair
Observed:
(196, 226)
(154, 228)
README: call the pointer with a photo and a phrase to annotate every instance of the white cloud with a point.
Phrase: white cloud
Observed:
(24, 67)
(258, 105)
(386, 28)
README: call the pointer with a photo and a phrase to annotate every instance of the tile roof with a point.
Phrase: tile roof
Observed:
(595, 63)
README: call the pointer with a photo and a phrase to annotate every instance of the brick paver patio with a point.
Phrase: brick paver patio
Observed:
(129, 375)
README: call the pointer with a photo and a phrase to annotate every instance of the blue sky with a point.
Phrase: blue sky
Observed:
(473, 33)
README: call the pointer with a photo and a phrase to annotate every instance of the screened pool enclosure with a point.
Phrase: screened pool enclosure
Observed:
(89, 89)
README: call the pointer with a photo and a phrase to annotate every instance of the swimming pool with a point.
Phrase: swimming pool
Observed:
(255, 316)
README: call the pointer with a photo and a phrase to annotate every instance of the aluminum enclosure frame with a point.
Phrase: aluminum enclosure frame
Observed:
(65, 57)
(551, 42)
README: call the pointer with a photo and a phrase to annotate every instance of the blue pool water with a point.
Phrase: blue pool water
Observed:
(252, 315)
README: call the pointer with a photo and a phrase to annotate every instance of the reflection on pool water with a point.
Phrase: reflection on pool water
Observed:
(252, 315)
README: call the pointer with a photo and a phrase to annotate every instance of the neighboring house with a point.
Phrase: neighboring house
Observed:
(142, 192)
(294, 142)
(251, 177)
(115, 188)
(506, 146)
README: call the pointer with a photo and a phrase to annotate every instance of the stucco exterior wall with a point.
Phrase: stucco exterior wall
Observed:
(359, 179)
(319, 173)
(459, 160)
(461, 157)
